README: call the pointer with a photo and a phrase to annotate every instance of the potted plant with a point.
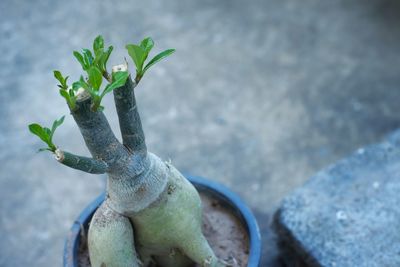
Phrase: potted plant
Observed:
(150, 212)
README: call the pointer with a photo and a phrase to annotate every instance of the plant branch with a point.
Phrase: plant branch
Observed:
(96, 131)
(128, 115)
(89, 165)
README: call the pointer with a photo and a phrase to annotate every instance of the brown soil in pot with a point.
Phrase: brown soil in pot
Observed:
(225, 233)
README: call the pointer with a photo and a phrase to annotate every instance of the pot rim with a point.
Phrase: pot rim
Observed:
(242, 211)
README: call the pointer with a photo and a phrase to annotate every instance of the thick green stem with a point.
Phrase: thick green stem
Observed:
(89, 165)
(129, 119)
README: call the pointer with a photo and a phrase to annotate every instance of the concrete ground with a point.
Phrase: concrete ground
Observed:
(259, 96)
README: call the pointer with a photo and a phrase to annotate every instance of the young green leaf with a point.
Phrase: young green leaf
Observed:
(38, 130)
(87, 87)
(64, 93)
(81, 60)
(69, 97)
(119, 79)
(157, 58)
(137, 54)
(107, 55)
(60, 78)
(83, 82)
(76, 85)
(95, 77)
(64, 85)
(43, 134)
(55, 125)
(98, 45)
(80, 84)
(101, 59)
(88, 58)
(147, 44)
(48, 131)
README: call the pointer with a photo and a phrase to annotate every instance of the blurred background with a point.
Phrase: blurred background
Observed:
(259, 96)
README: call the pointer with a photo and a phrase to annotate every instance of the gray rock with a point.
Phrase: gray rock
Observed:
(347, 214)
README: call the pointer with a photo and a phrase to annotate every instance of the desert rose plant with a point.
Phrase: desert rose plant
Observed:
(151, 212)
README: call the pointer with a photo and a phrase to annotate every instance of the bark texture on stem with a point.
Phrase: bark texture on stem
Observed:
(89, 165)
(129, 120)
(97, 133)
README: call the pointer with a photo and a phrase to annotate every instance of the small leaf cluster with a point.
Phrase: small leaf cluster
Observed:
(65, 91)
(99, 60)
(118, 79)
(139, 54)
(46, 134)
(95, 66)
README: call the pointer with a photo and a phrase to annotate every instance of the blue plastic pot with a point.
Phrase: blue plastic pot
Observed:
(223, 194)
